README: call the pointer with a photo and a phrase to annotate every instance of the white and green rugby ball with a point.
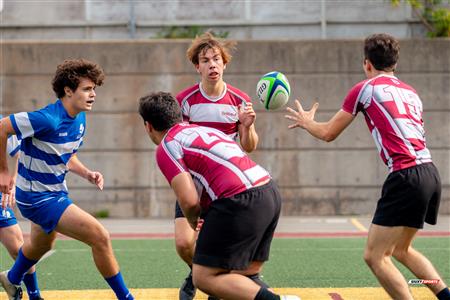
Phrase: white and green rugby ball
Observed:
(273, 90)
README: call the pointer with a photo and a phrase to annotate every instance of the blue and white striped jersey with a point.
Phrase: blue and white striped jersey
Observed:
(13, 144)
(50, 136)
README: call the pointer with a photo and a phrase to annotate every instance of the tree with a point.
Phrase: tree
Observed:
(434, 15)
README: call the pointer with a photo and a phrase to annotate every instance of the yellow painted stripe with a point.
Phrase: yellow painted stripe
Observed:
(358, 224)
(172, 294)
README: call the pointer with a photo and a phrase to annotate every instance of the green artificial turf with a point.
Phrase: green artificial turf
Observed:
(310, 262)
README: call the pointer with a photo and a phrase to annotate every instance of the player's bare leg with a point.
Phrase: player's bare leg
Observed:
(78, 224)
(221, 283)
(415, 261)
(380, 246)
(185, 238)
(11, 238)
(81, 226)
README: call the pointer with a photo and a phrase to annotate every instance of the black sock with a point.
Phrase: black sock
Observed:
(258, 281)
(444, 294)
(265, 294)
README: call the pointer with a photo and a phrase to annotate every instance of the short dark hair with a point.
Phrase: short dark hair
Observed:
(160, 109)
(71, 71)
(382, 50)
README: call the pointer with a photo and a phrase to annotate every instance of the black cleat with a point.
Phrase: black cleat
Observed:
(187, 290)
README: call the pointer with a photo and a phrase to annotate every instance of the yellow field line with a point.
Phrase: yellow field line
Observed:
(358, 225)
(172, 294)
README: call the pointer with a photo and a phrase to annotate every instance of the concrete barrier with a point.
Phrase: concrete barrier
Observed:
(342, 177)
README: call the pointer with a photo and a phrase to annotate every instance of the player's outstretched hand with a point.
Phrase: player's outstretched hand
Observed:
(8, 200)
(301, 117)
(246, 114)
(95, 178)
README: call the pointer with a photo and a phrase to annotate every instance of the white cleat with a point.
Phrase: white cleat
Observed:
(14, 292)
(289, 297)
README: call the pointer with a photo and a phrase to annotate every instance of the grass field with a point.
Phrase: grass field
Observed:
(294, 263)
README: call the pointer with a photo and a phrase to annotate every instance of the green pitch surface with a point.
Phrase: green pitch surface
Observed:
(294, 263)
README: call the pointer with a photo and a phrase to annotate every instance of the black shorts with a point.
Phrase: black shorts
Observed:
(410, 197)
(239, 229)
(178, 211)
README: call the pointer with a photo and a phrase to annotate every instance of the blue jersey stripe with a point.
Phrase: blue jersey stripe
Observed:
(16, 128)
(50, 159)
(33, 197)
(45, 178)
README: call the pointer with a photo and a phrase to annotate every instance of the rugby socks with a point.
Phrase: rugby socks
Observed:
(30, 281)
(256, 279)
(118, 286)
(21, 266)
(265, 294)
(444, 294)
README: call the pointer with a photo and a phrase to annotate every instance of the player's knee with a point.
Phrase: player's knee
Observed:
(39, 249)
(369, 258)
(13, 252)
(201, 282)
(184, 245)
(376, 259)
(101, 239)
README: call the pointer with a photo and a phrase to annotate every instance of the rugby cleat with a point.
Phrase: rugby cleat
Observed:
(187, 290)
(14, 292)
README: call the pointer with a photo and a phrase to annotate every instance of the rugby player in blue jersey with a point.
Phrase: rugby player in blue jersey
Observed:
(50, 138)
(10, 233)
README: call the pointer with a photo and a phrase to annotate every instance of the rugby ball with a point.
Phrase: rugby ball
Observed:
(273, 90)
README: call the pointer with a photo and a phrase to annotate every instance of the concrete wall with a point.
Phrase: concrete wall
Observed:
(243, 19)
(342, 177)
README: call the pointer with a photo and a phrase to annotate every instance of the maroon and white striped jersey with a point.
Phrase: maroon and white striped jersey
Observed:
(393, 113)
(211, 157)
(220, 113)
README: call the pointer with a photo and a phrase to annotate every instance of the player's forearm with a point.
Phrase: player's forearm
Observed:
(77, 167)
(248, 138)
(320, 130)
(191, 212)
(13, 163)
(3, 157)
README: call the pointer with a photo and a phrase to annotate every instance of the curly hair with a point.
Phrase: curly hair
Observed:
(160, 109)
(382, 50)
(71, 71)
(207, 41)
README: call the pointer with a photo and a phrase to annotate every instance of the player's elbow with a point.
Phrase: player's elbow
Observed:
(189, 205)
(249, 148)
(329, 137)
(329, 134)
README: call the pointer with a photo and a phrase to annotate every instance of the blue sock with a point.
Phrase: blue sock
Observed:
(444, 294)
(30, 281)
(21, 266)
(118, 286)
